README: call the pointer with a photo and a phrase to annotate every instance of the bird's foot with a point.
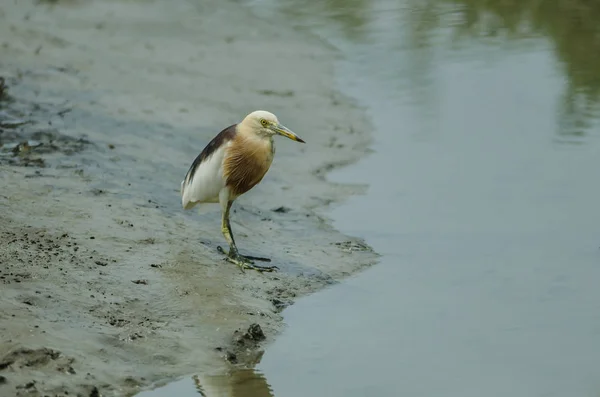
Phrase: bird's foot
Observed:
(246, 262)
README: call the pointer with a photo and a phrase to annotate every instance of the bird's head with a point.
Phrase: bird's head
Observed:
(264, 123)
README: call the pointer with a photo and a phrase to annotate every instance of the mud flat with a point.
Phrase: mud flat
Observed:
(107, 286)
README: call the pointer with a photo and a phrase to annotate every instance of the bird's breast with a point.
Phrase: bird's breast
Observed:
(246, 163)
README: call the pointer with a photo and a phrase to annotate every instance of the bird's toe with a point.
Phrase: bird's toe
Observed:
(260, 268)
(245, 263)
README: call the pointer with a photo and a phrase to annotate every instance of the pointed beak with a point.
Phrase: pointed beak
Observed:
(286, 132)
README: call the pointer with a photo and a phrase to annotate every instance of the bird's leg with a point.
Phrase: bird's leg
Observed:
(244, 262)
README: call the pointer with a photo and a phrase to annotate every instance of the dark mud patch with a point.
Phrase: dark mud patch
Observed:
(3, 89)
(57, 366)
(31, 254)
(29, 257)
(29, 358)
(27, 136)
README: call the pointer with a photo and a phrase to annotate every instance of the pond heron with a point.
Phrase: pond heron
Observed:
(232, 163)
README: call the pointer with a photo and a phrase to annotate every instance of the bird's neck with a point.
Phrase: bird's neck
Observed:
(248, 134)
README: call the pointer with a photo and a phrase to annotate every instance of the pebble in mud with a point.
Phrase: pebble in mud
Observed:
(231, 357)
(282, 210)
(245, 345)
(253, 335)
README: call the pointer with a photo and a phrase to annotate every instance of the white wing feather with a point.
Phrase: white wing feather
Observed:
(206, 182)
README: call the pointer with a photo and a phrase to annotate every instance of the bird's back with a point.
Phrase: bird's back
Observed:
(204, 180)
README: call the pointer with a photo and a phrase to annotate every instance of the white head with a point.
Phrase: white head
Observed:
(265, 124)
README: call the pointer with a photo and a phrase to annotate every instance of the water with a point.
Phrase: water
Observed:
(483, 200)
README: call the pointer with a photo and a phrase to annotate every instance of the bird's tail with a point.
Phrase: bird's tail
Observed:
(186, 203)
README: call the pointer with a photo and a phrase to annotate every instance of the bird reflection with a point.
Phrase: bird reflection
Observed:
(239, 383)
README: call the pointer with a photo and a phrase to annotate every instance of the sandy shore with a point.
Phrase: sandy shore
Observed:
(107, 286)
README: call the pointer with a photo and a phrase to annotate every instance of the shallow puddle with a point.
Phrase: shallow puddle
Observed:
(483, 201)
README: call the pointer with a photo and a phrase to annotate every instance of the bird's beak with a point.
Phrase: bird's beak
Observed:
(286, 132)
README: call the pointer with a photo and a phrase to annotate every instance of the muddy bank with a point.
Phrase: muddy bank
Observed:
(108, 287)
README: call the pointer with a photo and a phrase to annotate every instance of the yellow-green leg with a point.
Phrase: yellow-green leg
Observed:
(244, 262)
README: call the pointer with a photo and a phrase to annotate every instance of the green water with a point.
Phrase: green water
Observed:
(483, 200)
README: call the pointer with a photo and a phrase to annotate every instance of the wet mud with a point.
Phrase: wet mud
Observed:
(107, 286)
(25, 136)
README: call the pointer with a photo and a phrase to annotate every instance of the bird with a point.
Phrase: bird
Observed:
(231, 164)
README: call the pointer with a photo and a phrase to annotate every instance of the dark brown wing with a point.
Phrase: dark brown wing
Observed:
(222, 137)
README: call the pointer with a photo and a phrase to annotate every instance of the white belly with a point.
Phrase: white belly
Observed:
(206, 182)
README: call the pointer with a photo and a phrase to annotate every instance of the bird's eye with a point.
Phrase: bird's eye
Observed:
(264, 122)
